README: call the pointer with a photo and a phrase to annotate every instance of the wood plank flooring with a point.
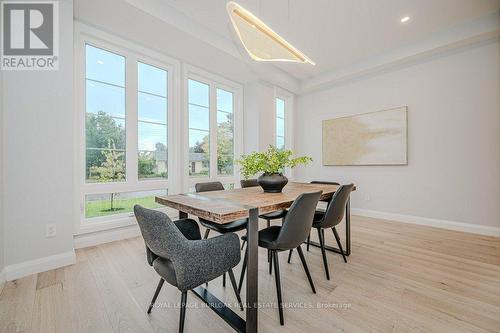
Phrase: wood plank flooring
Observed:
(399, 278)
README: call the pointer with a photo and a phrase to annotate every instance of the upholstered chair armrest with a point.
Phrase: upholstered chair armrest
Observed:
(206, 259)
(189, 228)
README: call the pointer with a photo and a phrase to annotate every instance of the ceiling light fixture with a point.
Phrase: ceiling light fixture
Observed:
(260, 41)
(405, 19)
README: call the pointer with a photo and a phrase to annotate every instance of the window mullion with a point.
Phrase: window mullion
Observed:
(213, 131)
(172, 150)
(132, 118)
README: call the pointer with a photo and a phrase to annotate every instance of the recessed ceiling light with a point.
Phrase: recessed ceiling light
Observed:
(405, 19)
(100, 62)
(260, 41)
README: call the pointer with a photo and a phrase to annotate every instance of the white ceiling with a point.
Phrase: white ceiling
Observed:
(339, 33)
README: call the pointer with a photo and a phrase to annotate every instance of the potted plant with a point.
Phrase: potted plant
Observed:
(271, 164)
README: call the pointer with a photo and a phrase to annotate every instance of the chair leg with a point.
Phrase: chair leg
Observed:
(337, 238)
(235, 287)
(304, 264)
(183, 311)
(277, 277)
(224, 279)
(207, 231)
(268, 223)
(271, 263)
(243, 244)
(243, 269)
(290, 255)
(321, 236)
(308, 241)
(158, 288)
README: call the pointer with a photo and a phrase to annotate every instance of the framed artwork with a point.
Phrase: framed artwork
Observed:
(375, 138)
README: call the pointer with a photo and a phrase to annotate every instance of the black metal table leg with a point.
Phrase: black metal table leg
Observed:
(226, 313)
(348, 226)
(252, 270)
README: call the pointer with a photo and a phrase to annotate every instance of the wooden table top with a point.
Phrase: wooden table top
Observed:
(229, 205)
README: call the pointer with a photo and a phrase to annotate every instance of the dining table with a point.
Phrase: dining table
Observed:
(229, 205)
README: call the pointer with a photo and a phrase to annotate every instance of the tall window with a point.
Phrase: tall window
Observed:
(280, 123)
(152, 122)
(105, 116)
(132, 144)
(119, 120)
(225, 132)
(199, 128)
(211, 111)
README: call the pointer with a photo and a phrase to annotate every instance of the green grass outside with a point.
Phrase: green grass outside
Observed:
(198, 174)
(102, 207)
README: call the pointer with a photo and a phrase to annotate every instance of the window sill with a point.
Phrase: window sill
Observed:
(110, 222)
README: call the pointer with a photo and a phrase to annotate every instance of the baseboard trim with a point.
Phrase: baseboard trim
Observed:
(39, 265)
(106, 236)
(438, 223)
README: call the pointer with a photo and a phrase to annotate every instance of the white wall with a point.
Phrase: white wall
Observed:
(454, 137)
(37, 137)
(2, 234)
(251, 118)
(258, 116)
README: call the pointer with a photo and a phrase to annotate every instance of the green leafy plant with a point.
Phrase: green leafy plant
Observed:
(271, 161)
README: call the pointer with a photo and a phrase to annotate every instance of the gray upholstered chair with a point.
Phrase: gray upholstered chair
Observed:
(296, 226)
(179, 255)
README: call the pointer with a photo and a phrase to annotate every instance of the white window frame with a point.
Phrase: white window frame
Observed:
(213, 81)
(133, 54)
(289, 107)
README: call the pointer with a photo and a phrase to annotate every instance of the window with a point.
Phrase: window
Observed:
(280, 123)
(213, 112)
(199, 106)
(126, 132)
(137, 139)
(105, 116)
(152, 112)
(199, 128)
(225, 132)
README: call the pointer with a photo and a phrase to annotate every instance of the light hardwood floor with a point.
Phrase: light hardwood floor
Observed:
(399, 278)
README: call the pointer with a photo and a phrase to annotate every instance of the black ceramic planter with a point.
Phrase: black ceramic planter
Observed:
(272, 183)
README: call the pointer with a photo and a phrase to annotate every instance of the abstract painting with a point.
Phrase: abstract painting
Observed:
(375, 138)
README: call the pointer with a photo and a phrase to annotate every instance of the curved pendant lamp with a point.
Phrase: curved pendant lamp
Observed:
(260, 41)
